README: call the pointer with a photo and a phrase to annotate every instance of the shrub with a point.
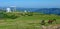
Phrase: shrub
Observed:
(12, 15)
(9, 15)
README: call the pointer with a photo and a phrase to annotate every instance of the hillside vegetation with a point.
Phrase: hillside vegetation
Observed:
(17, 20)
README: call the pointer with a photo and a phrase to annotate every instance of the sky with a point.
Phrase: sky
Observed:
(31, 3)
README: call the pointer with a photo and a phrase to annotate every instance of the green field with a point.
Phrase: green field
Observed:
(27, 22)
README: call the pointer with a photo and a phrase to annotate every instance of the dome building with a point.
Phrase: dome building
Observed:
(8, 10)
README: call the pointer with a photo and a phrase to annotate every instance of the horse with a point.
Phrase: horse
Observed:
(43, 22)
(51, 21)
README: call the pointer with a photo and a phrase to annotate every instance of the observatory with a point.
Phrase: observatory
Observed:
(8, 10)
(25, 11)
(13, 8)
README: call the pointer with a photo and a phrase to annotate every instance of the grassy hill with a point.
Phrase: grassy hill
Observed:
(27, 22)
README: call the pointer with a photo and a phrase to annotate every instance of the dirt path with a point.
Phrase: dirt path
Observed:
(51, 27)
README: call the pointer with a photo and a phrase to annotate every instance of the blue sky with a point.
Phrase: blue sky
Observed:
(31, 3)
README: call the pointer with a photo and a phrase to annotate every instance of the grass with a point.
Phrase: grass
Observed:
(27, 22)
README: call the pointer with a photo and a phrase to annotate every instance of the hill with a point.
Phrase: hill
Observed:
(49, 11)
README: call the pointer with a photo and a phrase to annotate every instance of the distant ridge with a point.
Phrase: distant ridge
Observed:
(38, 10)
(49, 11)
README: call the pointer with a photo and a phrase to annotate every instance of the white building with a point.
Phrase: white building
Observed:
(8, 10)
(25, 11)
(13, 8)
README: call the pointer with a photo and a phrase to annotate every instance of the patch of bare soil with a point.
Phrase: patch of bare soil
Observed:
(57, 26)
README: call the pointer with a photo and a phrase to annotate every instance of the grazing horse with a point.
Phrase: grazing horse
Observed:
(51, 21)
(43, 22)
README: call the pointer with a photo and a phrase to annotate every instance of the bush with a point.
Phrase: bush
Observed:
(27, 14)
(9, 15)
(30, 14)
(12, 15)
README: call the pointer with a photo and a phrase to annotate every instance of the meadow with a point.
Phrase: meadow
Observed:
(27, 22)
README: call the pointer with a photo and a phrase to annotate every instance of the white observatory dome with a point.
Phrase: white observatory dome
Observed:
(8, 10)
